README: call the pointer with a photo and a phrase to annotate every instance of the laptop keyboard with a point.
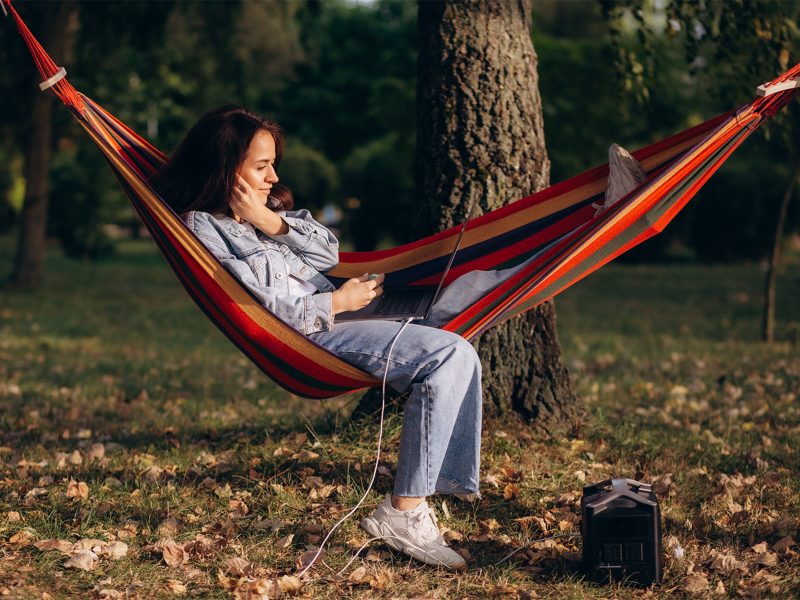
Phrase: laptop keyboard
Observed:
(399, 302)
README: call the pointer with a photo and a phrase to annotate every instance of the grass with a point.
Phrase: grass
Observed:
(201, 450)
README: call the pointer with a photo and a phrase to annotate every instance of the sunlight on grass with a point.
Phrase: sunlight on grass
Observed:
(130, 423)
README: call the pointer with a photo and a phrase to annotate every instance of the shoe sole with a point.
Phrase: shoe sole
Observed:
(375, 530)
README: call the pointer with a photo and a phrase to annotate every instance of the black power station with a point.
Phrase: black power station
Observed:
(621, 531)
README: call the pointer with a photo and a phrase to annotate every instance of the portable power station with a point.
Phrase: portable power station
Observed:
(621, 531)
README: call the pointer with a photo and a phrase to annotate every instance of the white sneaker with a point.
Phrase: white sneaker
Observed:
(415, 532)
(624, 175)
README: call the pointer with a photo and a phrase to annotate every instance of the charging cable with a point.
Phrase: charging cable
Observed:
(372, 481)
(374, 471)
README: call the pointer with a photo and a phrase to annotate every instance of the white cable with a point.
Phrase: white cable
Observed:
(374, 471)
(544, 539)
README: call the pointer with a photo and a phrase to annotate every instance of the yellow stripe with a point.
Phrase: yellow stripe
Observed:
(498, 227)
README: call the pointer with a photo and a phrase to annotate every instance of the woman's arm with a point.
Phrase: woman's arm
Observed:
(296, 229)
(306, 314)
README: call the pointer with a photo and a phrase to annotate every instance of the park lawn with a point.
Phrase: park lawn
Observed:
(127, 418)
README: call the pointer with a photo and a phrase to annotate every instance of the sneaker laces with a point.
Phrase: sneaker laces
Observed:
(428, 525)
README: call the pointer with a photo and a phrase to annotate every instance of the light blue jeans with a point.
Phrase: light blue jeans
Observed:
(440, 444)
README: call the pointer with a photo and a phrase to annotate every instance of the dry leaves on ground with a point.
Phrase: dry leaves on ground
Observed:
(77, 489)
(85, 560)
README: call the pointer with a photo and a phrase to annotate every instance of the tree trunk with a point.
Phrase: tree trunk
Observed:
(480, 134)
(768, 329)
(29, 262)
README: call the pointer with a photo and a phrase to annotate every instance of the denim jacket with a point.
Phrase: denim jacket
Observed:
(263, 263)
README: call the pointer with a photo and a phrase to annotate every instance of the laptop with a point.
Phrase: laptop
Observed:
(412, 302)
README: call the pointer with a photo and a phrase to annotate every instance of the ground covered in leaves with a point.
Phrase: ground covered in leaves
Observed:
(143, 457)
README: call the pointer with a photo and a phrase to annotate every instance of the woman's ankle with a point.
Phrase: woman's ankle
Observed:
(405, 503)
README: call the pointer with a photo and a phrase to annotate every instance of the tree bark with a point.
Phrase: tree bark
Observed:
(29, 262)
(768, 327)
(480, 134)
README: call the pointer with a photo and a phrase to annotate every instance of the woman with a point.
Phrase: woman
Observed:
(223, 181)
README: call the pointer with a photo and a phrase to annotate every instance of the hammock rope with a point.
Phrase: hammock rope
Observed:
(558, 226)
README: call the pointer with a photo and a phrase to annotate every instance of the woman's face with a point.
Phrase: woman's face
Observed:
(258, 167)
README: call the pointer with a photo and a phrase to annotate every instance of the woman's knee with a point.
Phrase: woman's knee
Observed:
(467, 356)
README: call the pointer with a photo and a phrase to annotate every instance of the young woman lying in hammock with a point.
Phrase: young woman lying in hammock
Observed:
(223, 180)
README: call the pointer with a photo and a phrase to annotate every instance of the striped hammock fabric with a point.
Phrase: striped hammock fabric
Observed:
(558, 224)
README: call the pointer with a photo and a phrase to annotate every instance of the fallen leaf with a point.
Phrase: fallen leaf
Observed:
(88, 544)
(450, 535)
(374, 555)
(511, 491)
(21, 538)
(565, 499)
(284, 541)
(60, 545)
(174, 555)
(238, 509)
(760, 548)
(767, 559)
(237, 566)
(724, 563)
(305, 455)
(564, 525)
(75, 458)
(526, 523)
(107, 593)
(310, 557)
(491, 480)
(358, 575)
(207, 459)
(783, 543)
(176, 587)
(209, 483)
(695, 584)
(664, 485)
(85, 560)
(502, 590)
(128, 531)
(381, 580)
(384, 471)
(151, 474)
(577, 446)
(313, 528)
(96, 452)
(115, 550)
(169, 527)
(77, 489)
(290, 584)
(271, 524)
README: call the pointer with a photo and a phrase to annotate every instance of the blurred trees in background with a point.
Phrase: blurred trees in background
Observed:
(340, 77)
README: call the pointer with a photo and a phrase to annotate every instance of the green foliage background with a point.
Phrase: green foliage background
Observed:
(340, 77)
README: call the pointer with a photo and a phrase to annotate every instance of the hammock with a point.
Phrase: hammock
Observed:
(558, 223)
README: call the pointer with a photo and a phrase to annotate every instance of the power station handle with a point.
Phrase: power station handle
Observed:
(619, 485)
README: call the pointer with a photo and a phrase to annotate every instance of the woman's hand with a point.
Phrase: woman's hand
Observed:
(250, 205)
(356, 293)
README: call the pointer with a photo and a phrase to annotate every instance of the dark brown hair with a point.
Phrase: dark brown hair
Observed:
(202, 171)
